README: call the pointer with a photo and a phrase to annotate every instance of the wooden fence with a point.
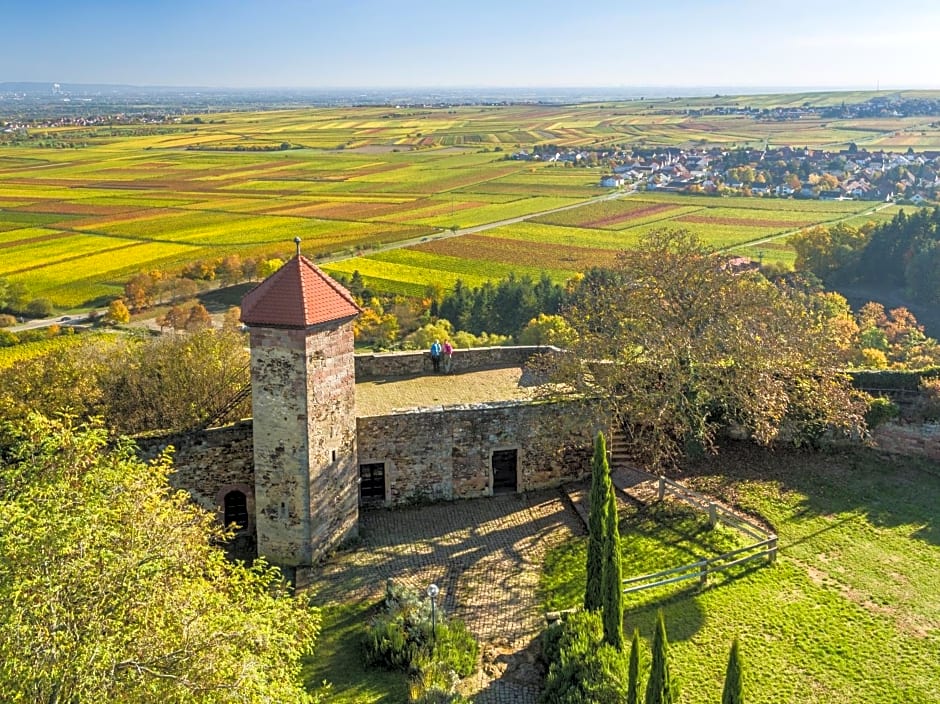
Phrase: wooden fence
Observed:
(765, 547)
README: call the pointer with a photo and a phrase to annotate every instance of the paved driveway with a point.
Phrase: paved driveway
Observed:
(485, 555)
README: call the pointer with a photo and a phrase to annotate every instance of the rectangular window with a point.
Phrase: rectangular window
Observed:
(372, 482)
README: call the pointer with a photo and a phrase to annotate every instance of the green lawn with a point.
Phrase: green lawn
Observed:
(849, 613)
(338, 660)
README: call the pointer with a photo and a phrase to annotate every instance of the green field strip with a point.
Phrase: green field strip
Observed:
(220, 230)
(22, 218)
(746, 203)
(132, 199)
(742, 216)
(571, 236)
(28, 350)
(383, 285)
(411, 275)
(18, 237)
(486, 197)
(51, 249)
(776, 252)
(487, 269)
(521, 190)
(493, 212)
(563, 259)
(717, 236)
(39, 192)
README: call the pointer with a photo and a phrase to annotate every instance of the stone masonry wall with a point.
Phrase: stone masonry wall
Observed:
(331, 437)
(303, 396)
(445, 453)
(210, 463)
(909, 440)
(392, 364)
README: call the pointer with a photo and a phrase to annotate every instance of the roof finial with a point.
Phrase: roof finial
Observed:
(297, 242)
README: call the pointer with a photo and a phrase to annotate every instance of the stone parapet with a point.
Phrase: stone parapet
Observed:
(394, 364)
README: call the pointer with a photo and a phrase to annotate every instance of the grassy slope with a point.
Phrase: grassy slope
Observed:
(850, 613)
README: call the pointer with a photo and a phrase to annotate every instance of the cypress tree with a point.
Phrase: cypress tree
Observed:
(612, 581)
(734, 685)
(660, 689)
(633, 674)
(600, 479)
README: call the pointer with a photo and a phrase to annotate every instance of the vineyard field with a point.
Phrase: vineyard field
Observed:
(82, 209)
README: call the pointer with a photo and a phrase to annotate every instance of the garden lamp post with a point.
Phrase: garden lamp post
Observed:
(433, 591)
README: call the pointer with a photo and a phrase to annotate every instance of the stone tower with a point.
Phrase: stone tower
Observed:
(303, 397)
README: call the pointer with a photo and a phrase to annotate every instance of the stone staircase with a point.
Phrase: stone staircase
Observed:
(618, 451)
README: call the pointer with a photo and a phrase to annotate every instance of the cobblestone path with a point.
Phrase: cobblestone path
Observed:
(485, 555)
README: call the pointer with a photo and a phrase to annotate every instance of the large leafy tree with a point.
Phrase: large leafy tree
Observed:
(113, 587)
(673, 342)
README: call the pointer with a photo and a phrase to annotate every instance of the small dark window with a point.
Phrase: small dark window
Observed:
(372, 482)
(236, 509)
(504, 471)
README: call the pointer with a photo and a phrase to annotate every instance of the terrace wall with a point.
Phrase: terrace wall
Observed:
(445, 453)
(909, 440)
(393, 364)
(209, 463)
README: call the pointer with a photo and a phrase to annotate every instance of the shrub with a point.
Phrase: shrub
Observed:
(584, 668)
(400, 638)
(398, 635)
(456, 647)
(733, 692)
(927, 406)
(435, 684)
(889, 379)
(880, 410)
(597, 521)
(39, 308)
(611, 584)
(661, 688)
(6, 320)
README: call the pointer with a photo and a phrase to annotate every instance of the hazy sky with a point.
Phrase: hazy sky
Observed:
(427, 43)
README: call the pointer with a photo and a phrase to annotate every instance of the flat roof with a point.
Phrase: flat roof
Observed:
(384, 396)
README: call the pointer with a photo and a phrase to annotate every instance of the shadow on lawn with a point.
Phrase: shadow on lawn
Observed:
(888, 491)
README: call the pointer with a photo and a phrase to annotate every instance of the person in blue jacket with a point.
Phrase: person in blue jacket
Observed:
(436, 355)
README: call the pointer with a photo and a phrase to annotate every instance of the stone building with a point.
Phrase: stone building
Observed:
(294, 477)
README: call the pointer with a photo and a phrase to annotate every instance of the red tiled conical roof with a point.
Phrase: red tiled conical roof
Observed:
(297, 295)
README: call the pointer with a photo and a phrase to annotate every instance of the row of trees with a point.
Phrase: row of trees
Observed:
(517, 309)
(15, 301)
(503, 308)
(903, 253)
(586, 652)
(149, 288)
